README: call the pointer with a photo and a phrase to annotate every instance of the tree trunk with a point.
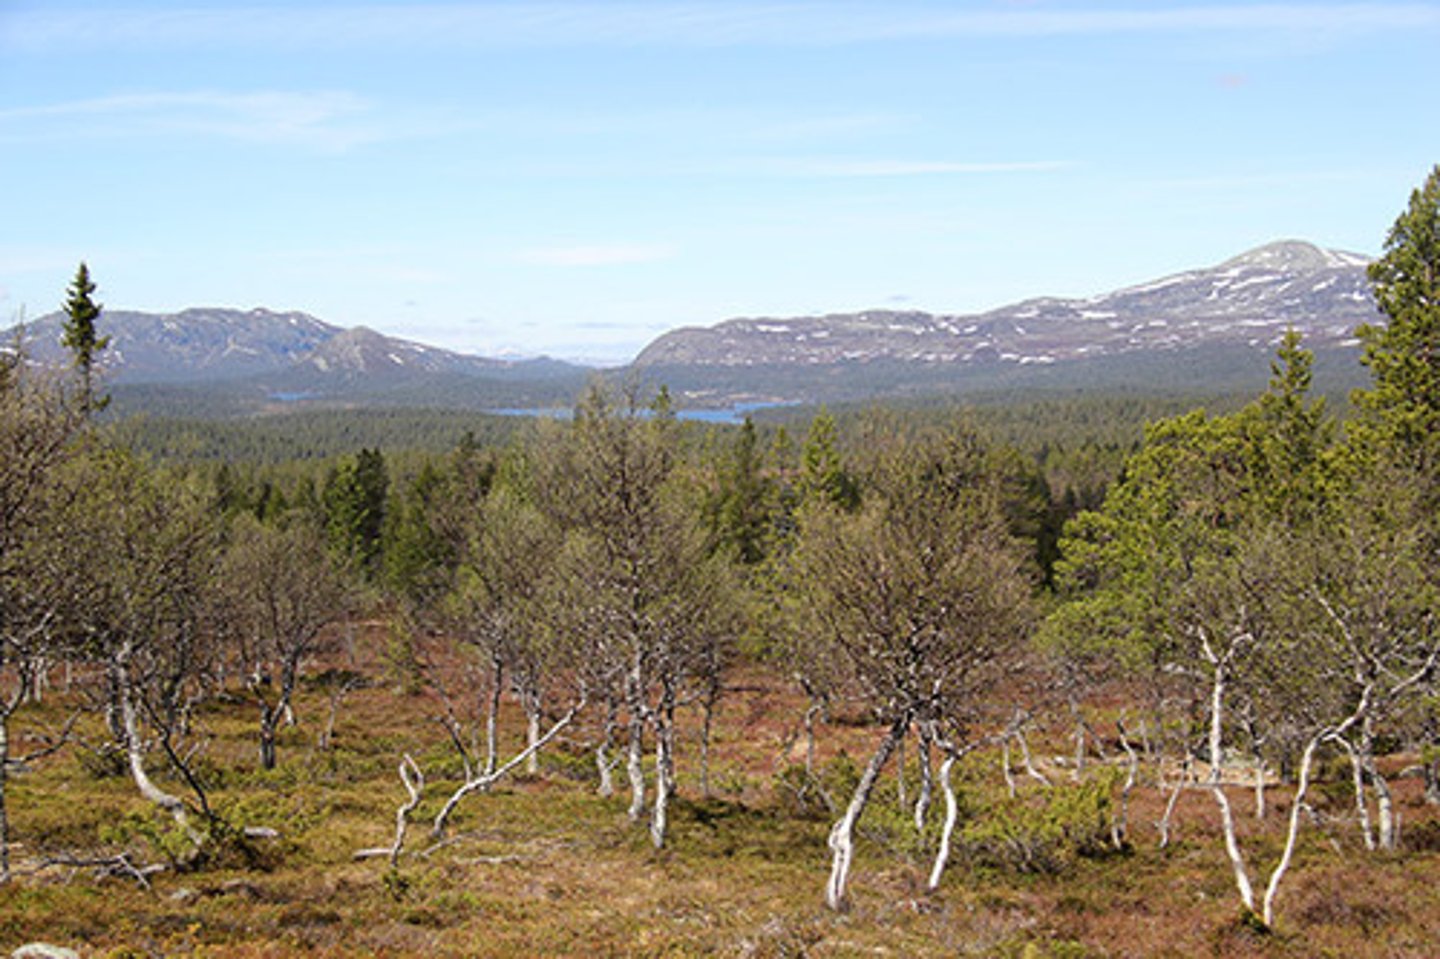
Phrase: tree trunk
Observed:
(1005, 767)
(927, 781)
(1217, 788)
(634, 770)
(842, 834)
(1357, 777)
(1030, 769)
(1273, 887)
(1163, 826)
(492, 714)
(952, 811)
(532, 734)
(486, 781)
(268, 721)
(135, 754)
(900, 773)
(811, 712)
(4, 785)
(603, 763)
(664, 768)
(1121, 824)
(1259, 787)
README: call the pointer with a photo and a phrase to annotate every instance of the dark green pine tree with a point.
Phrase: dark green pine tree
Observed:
(354, 503)
(1404, 353)
(81, 339)
(822, 472)
(742, 514)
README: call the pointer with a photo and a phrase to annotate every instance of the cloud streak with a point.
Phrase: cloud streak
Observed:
(688, 24)
(911, 168)
(329, 121)
(592, 256)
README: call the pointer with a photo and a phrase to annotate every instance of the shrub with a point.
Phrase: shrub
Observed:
(1042, 832)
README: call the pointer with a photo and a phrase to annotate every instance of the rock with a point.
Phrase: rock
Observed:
(184, 895)
(43, 950)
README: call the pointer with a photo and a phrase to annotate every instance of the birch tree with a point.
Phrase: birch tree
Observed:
(37, 436)
(281, 590)
(140, 553)
(922, 595)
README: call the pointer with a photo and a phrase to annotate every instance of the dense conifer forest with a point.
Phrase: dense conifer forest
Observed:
(1075, 675)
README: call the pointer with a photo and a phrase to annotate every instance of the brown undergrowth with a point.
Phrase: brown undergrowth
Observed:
(542, 866)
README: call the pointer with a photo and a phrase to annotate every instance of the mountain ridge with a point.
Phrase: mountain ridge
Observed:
(1248, 299)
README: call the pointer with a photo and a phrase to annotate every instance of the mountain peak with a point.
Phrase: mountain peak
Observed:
(1294, 256)
(1248, 301)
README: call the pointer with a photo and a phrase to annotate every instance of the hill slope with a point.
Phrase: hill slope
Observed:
(1247, 301)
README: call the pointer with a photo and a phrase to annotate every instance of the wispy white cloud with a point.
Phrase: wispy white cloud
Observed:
(618, 254)
(575, 23)
(910, 168)
(321, 120)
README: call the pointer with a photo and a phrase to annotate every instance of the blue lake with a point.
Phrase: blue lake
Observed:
(732, 415)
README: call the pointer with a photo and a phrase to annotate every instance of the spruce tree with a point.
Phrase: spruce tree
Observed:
(1404, 353)
(80, 337)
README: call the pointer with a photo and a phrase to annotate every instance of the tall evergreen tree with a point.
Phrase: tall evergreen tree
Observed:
(1404, 353)
(80, 336)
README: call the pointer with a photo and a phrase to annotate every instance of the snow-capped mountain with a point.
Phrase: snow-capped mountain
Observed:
(1249, 300)
(212, 345)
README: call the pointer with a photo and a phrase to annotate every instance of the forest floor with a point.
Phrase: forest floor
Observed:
(542, 866)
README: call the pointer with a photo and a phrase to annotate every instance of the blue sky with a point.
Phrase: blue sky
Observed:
(574, 178)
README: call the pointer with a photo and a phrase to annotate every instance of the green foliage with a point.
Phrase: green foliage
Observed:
(354, 501)
(823, 477)
(1404, 354)
(1043, 831)
(741, 508)
(81, 338)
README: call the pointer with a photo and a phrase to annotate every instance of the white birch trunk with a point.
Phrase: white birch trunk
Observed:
(492, 714)
(1163, 826)
(603, 763)
(1005, 767)
(811, 712)
(1217, 788)
(1362, 806)
(487, 780)
(927, 782)
(664, 774)
(634, 769)
(952, 811)
(1030, 769)
(135, 755)
(532, 736)
(1259, 787)
(900, 773)
(1273, 887)
(1121, 824)
(4, 786)
(842, 834)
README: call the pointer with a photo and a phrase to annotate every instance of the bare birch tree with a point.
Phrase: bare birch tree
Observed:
(281, 590)
(922, 594)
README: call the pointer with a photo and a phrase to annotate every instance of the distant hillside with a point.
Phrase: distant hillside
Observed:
(223, 362)
(1199, 332)
(1214, 320)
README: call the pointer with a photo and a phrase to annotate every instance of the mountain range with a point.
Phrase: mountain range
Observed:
(1249, 300)
(1203, 330)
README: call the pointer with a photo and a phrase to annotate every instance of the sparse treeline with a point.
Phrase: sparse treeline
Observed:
(1256, 590)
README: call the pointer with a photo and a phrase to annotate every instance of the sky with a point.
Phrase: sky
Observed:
(574, 177)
